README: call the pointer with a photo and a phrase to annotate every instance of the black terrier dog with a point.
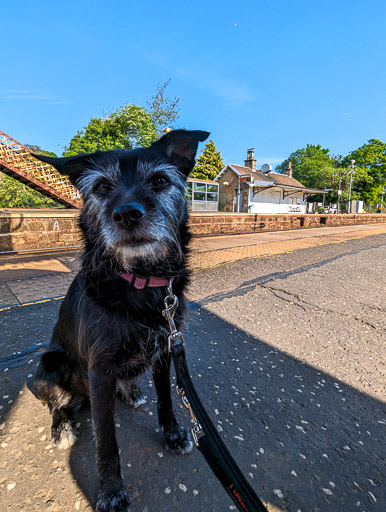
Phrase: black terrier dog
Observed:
(110, 327)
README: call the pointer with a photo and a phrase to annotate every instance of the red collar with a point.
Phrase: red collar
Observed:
(142, 282)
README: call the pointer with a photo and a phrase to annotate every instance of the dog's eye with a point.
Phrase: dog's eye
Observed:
(159, 180)
(102, 187)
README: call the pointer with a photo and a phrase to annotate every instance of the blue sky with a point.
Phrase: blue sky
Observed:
(270, 75)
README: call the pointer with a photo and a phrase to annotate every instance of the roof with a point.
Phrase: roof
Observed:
(283, 179)
(202, 181)
(267, 179)
(241, 170)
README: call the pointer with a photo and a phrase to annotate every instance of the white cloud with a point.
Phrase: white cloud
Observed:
(16, 94)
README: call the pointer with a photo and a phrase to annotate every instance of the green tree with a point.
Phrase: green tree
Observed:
(39, 150)
(312, 166)
(209, 163)
(14, 194)
(127, 127)
(163, 110)
(370, 169)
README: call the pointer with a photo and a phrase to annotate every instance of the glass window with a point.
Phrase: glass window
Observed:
(199, 196)
(211, 196)
(212, 188)
(199, 187)
(188, 191)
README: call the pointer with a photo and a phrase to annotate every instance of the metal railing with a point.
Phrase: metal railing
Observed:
(17, 161)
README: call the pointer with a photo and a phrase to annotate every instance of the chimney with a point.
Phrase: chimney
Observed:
(288, 171)
(250, 161)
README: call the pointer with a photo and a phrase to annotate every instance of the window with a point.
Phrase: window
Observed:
(188, 191)
(201, 196)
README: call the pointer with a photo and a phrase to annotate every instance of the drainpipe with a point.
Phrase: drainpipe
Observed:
(238, 195)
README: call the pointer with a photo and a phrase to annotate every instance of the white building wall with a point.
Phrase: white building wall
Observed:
(271, 201)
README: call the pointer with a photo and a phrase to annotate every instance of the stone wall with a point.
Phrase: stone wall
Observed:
(227, 192)
(56, 228)
(220, 223)
(38, 229)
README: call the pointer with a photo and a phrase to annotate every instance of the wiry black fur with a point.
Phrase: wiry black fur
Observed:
(108, 333)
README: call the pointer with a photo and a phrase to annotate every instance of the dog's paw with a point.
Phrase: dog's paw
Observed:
(178, 440)
(131, 394)
(64, 435)
(113, 502)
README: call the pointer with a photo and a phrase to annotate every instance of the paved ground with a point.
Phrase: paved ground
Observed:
(33, 277)
(287, 352)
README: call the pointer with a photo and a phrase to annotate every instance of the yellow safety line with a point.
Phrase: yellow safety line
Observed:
(32, 303)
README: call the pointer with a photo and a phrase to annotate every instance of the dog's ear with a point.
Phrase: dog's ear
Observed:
(181, 146)
(71, 166)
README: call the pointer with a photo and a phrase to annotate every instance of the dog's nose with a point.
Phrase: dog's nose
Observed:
(127, 214)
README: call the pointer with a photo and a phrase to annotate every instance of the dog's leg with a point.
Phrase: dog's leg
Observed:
(63, 431)
(177, 438)
(51, 388)
(112, 497)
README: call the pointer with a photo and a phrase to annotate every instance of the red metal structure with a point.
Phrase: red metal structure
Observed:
(17, 161)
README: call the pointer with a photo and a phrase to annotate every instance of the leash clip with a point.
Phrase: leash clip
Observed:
(197, 431)
(171, 305)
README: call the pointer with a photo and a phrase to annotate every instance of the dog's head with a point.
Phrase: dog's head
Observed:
(133, 201)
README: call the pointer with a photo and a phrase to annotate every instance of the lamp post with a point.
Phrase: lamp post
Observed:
(349, 194)
(339, 189)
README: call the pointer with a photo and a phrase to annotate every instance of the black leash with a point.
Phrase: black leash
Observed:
(205, 434)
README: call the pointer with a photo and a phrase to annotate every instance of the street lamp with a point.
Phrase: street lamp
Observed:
(349, 194)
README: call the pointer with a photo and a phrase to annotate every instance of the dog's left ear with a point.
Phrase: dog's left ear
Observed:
(181, 146)
(71, 166)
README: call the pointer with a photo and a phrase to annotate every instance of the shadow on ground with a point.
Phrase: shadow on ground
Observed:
(304, 440)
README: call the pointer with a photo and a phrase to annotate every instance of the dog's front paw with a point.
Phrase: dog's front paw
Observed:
(130, 394)
(177, 440)
(64, 434)
(113, 502)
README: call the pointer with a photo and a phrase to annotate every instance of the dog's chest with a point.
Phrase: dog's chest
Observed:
(138, 350)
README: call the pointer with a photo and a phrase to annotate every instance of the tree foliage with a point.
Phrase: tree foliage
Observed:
(37, 149)
(127, 127)
(209, 163)
(312, 166)
(315, 167)
(14, 194)
(370, 169)
(163, 110)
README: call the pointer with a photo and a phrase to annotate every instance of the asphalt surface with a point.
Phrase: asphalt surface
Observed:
(287, 353)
